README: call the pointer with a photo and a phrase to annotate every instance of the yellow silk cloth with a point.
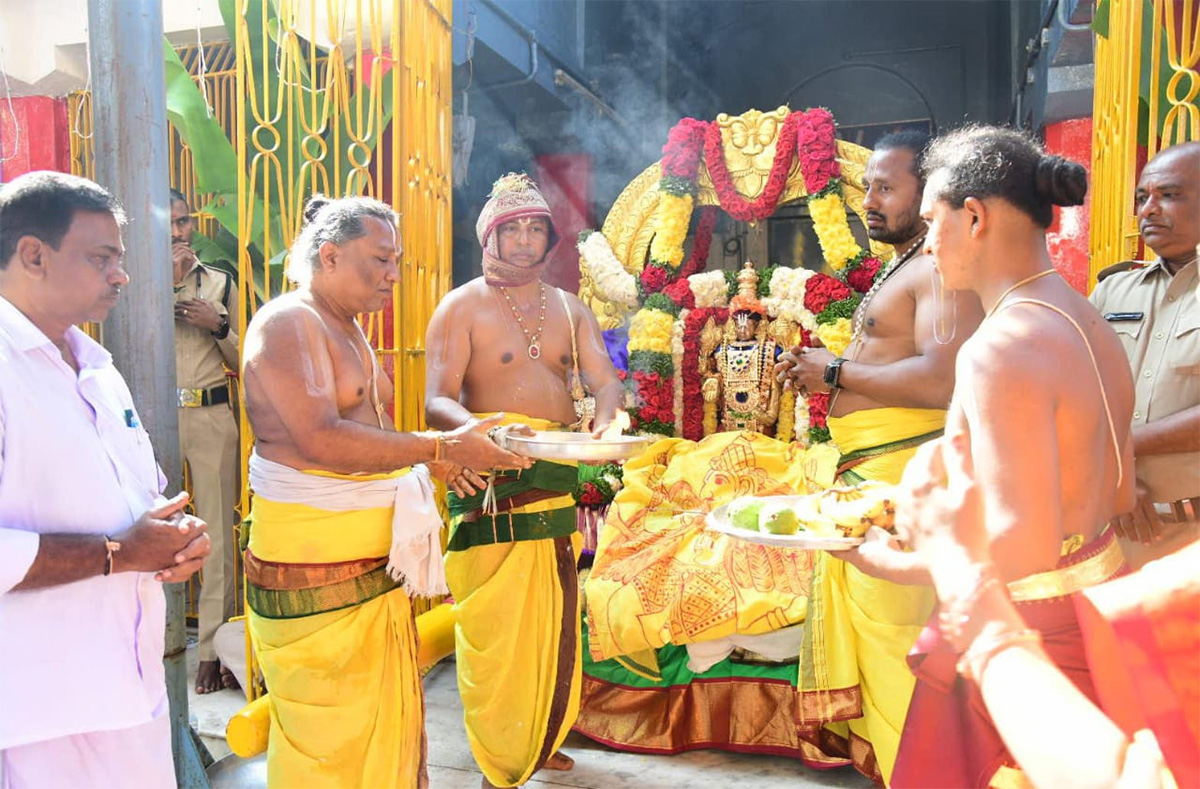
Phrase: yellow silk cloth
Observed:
(345, 693)
(863, 627)
(660, 577)
(509, 612)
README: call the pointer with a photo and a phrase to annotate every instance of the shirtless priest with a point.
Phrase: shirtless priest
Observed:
(507, 342)
(889, 395)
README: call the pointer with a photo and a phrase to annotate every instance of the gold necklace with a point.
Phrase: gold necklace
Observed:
(535, 346)
(1014, 286)
(880, 278)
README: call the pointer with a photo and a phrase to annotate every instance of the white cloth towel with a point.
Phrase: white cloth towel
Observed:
(778, 645)
(416, 554)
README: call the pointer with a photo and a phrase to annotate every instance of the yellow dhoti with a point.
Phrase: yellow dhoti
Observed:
(517, 632)
(860, 628)
(337, 644)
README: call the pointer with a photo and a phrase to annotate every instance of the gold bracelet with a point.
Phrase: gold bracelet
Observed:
(439, 447)
(973, 662)
(111, 546)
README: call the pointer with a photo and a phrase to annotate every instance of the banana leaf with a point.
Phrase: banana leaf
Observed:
(215, 158)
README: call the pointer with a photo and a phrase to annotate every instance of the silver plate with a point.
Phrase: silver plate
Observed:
(718, 521)
(577, 446)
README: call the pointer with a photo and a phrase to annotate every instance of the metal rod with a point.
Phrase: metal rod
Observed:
(529, 75)
(563, 79)
(125, 46)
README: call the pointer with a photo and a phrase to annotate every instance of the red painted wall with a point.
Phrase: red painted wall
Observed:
(1068, 236)
(34, 136)
(566, 183)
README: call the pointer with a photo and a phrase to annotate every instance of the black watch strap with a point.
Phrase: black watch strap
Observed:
(833, 373)
(223, 330)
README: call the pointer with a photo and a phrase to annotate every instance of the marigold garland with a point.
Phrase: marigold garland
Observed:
(785, 426)
(650, 330)
(671, 228)
(835, 336)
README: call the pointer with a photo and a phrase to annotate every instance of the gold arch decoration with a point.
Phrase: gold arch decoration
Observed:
(749, 142)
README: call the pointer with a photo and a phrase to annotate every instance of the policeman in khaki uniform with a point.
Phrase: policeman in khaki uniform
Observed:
(205, 346)
(1155, 311)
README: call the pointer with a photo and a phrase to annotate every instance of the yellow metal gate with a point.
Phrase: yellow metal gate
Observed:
(1150, 52)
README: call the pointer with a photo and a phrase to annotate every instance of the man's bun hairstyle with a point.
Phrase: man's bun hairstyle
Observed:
(1060, 181)
(991, 161)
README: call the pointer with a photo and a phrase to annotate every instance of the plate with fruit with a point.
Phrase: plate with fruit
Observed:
(832, 520)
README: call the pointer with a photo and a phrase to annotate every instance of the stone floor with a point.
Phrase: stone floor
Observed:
(596, 767)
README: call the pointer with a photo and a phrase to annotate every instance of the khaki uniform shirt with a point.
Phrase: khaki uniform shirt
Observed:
(200, 358)
(1163, 346)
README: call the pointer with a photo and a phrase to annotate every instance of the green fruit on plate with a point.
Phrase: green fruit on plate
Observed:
(743, 513)
(778, 519)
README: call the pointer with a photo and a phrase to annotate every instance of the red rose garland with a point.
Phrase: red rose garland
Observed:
(816, 145)
(680, 292)
(733, 203)
(693, 417)
(862, 277)
(698, 259)
(820, 290)
(681, 153)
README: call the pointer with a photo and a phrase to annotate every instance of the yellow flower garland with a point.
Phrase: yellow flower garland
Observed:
(671, 228)
(833, 230)
(835, 336)
(650, 330)
(786, 426)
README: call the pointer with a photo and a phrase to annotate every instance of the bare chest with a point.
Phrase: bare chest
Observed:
(359, 382)
(889, 314)
(533, 344)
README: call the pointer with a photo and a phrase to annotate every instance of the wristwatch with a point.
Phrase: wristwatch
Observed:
(833, 372)
(223, 330)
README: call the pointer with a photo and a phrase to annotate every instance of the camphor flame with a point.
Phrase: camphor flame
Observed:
(615, 428)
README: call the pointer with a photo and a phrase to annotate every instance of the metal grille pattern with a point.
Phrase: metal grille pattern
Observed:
(1160, 68)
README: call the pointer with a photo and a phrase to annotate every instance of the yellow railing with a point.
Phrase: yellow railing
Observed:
(327, 85)
(1121, 67)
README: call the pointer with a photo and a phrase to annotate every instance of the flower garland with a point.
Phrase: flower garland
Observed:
(801, 422)
(680, 169)
(610, 278)
(693, 418)
(764, 205)
(785, 427)
(709, 289)
(596, 486)
(665, 376)
(818, 417)
(651, 366)
(816, 140)
(677, 363)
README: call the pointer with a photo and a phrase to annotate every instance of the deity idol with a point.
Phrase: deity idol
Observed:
(740, 379)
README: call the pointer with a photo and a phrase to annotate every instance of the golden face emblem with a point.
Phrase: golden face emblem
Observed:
(749, 140)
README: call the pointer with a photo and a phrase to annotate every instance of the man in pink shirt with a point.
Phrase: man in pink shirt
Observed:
(86, 541)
